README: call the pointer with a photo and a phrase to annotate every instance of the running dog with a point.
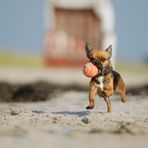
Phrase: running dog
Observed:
(106, 81)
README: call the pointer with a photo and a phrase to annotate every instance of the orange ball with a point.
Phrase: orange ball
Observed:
(90, 70)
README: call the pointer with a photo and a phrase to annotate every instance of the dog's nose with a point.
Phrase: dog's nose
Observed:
(97, 64)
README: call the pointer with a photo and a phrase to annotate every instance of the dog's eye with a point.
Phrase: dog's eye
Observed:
(102, 59)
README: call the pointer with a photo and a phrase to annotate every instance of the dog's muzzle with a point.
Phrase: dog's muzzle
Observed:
(97, 64)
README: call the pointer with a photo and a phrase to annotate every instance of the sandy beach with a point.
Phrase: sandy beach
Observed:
(64, 122)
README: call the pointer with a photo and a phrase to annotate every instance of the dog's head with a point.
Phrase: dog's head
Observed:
(100, 58)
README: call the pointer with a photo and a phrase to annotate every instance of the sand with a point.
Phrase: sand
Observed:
(64, 122)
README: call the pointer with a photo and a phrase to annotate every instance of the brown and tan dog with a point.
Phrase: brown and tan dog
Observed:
(107, 81)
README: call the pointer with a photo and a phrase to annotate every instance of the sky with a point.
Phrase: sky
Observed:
(22, 27)
(132, 28)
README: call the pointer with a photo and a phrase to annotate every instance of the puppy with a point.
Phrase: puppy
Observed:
(107, 81)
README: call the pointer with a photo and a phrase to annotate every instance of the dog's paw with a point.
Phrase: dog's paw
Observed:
(89, 107)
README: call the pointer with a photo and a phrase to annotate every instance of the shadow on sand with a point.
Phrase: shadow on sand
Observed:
(75, 113)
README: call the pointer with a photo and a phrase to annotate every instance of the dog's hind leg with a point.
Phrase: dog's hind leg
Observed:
(109, 106)
(121, 89)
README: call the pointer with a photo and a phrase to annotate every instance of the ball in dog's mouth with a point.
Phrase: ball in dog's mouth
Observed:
(90, 70)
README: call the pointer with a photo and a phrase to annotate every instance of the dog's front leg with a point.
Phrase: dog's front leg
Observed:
(92, 94)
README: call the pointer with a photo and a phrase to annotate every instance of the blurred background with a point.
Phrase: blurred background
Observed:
(51, 34)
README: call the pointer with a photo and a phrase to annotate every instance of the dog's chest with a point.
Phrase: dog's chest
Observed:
(100, 82)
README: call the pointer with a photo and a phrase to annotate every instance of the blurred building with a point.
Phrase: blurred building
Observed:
(70, 24)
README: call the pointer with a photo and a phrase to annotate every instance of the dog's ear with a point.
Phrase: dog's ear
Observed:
(88, 49)
(109, 50)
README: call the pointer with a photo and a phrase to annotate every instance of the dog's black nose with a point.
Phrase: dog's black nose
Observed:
(97, 64)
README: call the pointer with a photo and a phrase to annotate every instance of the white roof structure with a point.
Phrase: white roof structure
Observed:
(102, 8)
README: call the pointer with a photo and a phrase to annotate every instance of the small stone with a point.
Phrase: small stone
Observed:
(15, 111)
(95, 131)
(54, 122)
(85, 120)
